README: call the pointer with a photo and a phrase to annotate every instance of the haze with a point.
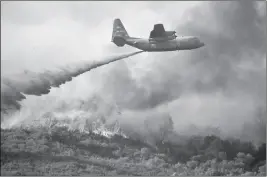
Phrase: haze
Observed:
(222, 85)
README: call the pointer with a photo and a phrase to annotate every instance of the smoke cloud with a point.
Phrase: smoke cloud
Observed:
(222, 85)
(223, 82)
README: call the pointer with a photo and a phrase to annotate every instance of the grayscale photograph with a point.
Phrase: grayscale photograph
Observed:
(134, 88)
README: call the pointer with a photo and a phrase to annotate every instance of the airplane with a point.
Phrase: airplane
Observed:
(159, 40)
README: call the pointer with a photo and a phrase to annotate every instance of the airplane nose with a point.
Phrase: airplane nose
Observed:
(202, 44)
(198, 42)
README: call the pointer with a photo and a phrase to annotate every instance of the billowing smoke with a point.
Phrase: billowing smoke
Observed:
(31, 83)
(220, 88)
(223, 82)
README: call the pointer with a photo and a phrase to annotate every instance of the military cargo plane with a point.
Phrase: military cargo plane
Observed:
(158, 41)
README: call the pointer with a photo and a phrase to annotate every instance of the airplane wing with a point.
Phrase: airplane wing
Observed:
(158, 31)
(159, 34)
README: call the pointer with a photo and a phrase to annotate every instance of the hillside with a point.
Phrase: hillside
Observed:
(60, 151)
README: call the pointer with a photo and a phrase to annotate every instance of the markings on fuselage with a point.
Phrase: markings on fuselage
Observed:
(164, 47)
(154, 46)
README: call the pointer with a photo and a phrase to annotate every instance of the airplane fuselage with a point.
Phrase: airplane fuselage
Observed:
(180, 43)
(159, 39)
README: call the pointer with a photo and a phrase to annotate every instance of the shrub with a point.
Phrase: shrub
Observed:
(73, 151)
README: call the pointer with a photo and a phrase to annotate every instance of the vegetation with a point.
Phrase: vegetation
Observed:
(60, 151)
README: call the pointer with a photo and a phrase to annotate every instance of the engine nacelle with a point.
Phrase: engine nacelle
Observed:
(170, 33)
(172, 37)
(163, 38)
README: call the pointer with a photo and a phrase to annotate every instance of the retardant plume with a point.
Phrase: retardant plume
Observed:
(31, 83)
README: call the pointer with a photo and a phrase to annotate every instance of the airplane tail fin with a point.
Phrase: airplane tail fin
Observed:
(119, 33)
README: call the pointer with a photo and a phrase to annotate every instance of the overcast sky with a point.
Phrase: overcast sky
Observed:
(222, 84)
